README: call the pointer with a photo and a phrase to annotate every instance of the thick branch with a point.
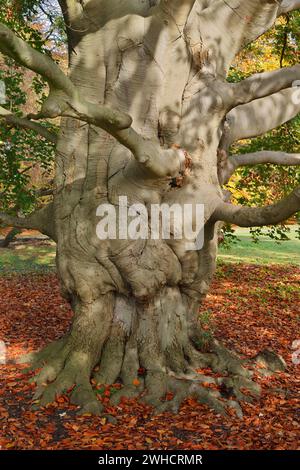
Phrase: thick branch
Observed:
(259, 216)
(65, 100)
(260, 116)
(158, 161)
(265, 17)
(149, 153)
(42, 220)
(257, 158)
(16, 121)
(44, 192)
(225, 26)
(21, 52)
(264, 84)
(179, 10)
(288, 5)
(62, 90)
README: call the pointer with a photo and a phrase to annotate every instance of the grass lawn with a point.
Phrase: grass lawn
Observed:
(25, 257)
(266, 251)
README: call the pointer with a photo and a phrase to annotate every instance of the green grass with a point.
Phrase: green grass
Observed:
(28, 258)
(266, 251)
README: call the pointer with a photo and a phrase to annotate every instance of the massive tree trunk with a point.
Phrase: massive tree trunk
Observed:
(136, 302)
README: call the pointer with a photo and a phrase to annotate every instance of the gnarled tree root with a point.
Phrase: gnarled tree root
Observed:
(63, 370)
(66, 370)
(113, 336)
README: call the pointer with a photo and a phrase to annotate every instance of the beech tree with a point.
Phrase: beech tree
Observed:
(147, 113)
(26, 151)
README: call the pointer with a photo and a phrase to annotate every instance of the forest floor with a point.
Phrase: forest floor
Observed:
(251, 307)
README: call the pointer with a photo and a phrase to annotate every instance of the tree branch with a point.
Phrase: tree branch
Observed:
(225, 26)
(288, 5)
(62, 90)
(179, 10)
(64, 100)
(263, 157)
(266, 15)
(44, 192)
(16, 121)
(257, 158)
(41, 220)
(158, 161)
(260, 116)
(264, 84)
(259, 216)
(30, 58)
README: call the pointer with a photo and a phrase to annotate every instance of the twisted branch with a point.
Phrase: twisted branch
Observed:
(259, 216)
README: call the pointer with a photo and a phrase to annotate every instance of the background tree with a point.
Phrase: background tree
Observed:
(147, 112)
(26, 149)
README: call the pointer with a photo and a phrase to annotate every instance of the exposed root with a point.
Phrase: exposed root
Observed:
(39, 358)
(63, 370)
(268, 362)
(66, 376)
(68, 372)
(111, 361)
(219, 393)
(183, 388)
(219, 359)
(156, 386)
(128, 391)
(84, 396)
(170, 367)
(130, 363)
(225, 360)
(233, 386)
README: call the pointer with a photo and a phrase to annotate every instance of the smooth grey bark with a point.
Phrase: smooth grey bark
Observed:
(260, 116)
(259, 216)
(143, 111)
